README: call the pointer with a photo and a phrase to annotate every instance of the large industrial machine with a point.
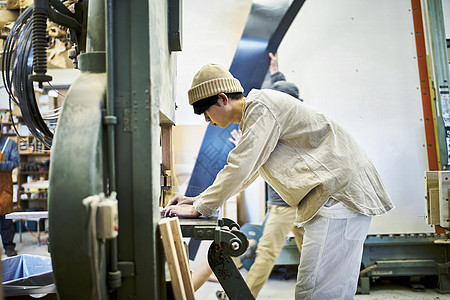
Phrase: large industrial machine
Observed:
(107, 173)
(105, 152)
(422, 259)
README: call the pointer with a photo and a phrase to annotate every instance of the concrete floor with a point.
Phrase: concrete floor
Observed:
(30, 245)
(275, 288)
(279, 288)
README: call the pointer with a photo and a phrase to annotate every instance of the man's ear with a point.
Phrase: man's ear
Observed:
(224, 98)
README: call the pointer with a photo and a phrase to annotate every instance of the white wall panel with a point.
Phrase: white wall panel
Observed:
(355, 60)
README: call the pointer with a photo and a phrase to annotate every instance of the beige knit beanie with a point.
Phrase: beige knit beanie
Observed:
(211, 80)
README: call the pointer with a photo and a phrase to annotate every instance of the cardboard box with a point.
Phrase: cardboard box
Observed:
(7, 16)
(18, 4)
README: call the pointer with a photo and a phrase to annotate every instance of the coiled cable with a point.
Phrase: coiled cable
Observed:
(17, 66)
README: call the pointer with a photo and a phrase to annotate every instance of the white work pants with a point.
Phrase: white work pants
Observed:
(331, 257)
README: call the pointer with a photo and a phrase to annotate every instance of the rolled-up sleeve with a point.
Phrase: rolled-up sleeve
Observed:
(260, 135)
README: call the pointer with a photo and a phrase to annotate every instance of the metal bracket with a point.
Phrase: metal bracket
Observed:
(126, 120)
(175, 24)
(225, 222)
(227, 273)
(126, 268)
(234, 243)
(110, 120)
(437, 187)
(227, 241)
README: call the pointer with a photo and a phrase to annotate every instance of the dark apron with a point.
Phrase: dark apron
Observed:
(6, 187)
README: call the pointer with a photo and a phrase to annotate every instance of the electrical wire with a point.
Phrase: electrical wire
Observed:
(32, 234)
(52, 114)
(55, 90)
(56, 111)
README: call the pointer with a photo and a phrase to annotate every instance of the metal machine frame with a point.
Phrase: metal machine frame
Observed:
(107, 141)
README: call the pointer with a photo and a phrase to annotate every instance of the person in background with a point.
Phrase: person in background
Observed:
(311, 162)
(281, 216)
(9, 159)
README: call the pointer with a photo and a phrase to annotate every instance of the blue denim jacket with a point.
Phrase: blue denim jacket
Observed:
(11, 152)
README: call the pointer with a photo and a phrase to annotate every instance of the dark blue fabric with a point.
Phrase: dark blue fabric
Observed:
(7, 231)
(274, 198)
(24, 266)
(212, 157)
(12, 157)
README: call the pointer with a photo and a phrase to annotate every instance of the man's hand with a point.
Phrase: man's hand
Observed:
(179, 199)
(181, 206)
(273, 67)
(181, 210)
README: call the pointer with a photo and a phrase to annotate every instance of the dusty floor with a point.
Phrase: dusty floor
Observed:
(277, 287)
(30, 244)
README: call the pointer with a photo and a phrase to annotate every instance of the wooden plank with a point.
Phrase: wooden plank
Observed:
(182, 258)
(433, 203)
(172, 259)
(166, 162)
(166, 145)
(176, 258)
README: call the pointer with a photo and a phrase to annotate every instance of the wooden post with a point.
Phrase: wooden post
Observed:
(166, 144)
(166, 160)
(176, 257)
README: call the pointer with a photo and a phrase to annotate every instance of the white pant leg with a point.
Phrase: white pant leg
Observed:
(331, 258)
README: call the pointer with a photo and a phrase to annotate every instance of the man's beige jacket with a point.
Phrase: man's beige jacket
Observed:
(304, 155)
